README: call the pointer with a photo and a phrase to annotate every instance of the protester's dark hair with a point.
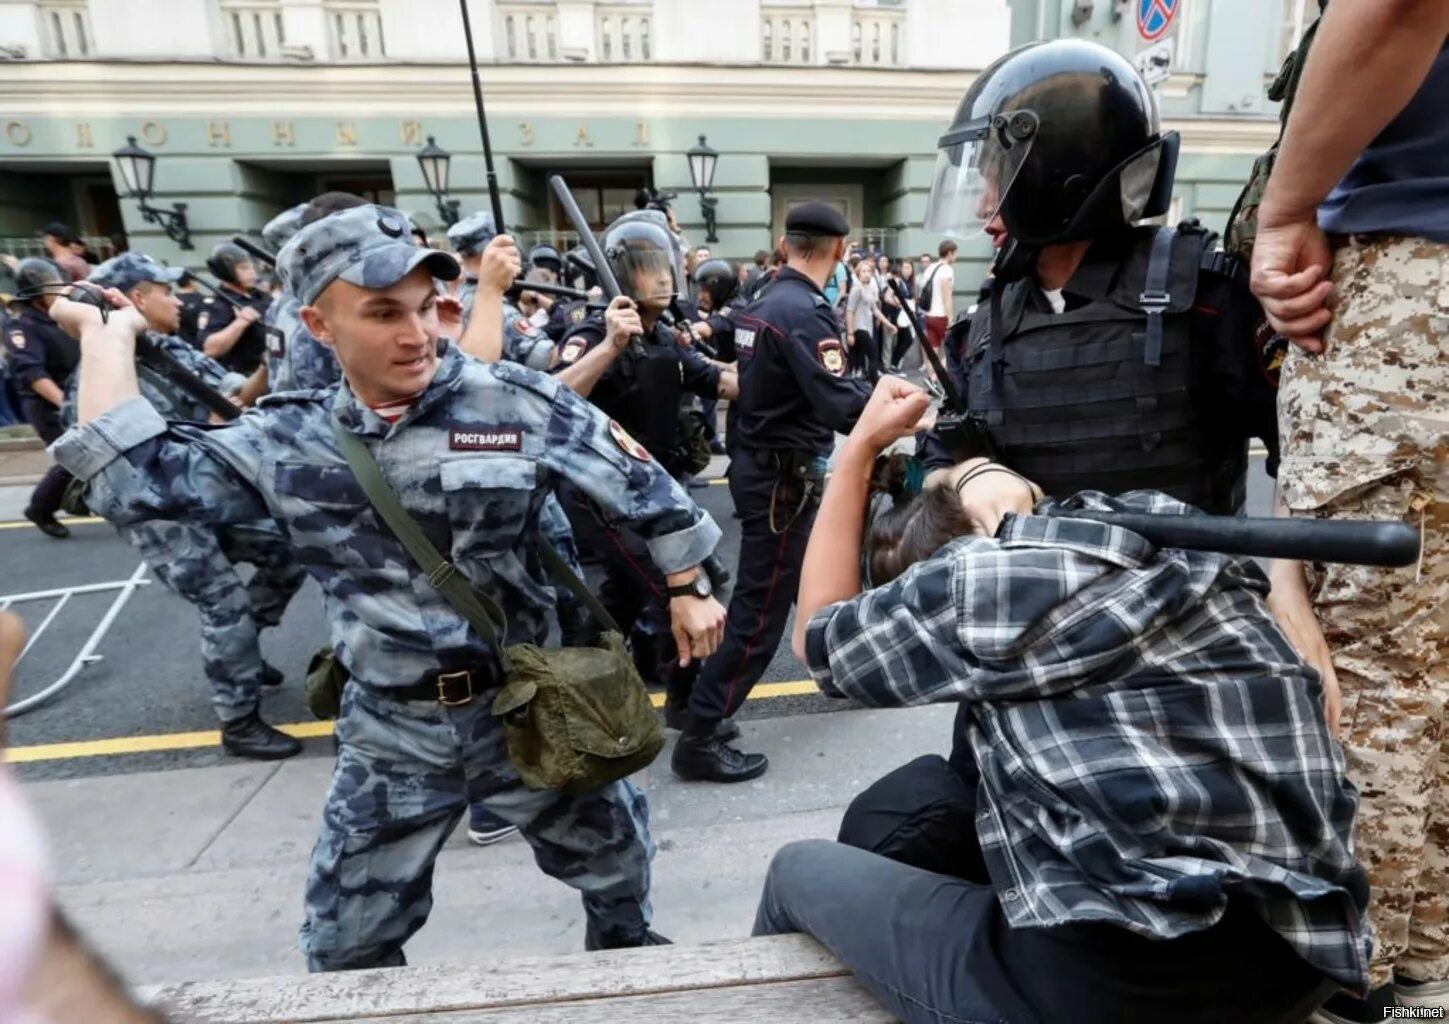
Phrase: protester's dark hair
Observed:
(327, 204)
(762, 257)
(946, 248)
(913, 532)
(906, 270)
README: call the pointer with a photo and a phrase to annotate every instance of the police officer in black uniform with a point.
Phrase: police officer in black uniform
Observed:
(1104, 355)
(232, 332)
(578, 272)
(795, 395)
(42, 358)
(626, 361)
(717, 287)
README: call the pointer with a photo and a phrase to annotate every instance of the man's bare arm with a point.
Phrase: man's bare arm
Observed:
(108, 353)
(1368, 60)
(224, 340)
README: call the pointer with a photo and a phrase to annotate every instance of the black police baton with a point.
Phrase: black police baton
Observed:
(493, 195)
(544, 288)
(1309, 540)
(148, 352)
(253, 250)
(964, 436)
(719, 576)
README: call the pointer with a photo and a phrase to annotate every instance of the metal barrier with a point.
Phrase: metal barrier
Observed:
(87, 654)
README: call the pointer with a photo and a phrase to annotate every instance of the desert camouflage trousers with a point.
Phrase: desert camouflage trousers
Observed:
(1365, 434)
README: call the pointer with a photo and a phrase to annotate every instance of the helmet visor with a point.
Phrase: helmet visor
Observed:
(975, 169)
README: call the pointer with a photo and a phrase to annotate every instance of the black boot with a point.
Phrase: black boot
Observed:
(253, 738)
(700, 754)
(272, 677)
(48, 524)
(595, 939)
(676, 715)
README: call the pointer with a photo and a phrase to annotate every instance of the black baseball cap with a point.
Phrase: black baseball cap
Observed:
(59, 230)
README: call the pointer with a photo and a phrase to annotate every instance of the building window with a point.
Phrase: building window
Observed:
(606, 48)
(855, 37)
(254, 28)
(645, 50)
(67, 29)
(624, 38)
(510, 32)
(805, 42)
(531, 34)
(875, 37)
(356, 29)
(896, 43)
(551, 29)
(767, 29)
(633, 38)
(785, 42)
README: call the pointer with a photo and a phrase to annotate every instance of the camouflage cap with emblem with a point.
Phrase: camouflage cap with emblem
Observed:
(471, 235)
(369, 246)
(129, 269)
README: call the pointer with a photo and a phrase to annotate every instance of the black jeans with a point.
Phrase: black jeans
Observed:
(935, 945)
(864, 357)
(44, 418)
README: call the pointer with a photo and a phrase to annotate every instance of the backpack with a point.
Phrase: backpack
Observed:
(923, 298)
(1242, 228)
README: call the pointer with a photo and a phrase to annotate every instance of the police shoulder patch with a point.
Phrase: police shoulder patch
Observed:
(627, 443)
(831, 356)
(578, 315)
(573, 348)
(17, 338)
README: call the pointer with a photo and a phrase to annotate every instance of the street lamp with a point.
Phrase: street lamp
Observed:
(138, 174)
(434, 161)
(702, 162)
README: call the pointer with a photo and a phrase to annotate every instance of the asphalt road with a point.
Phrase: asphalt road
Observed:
(148, 681)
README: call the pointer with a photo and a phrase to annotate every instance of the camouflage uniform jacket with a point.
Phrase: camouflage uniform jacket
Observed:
(296, 361)
(472, 461)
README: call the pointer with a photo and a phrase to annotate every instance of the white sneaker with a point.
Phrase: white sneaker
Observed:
(487, 837)
(1434, 994)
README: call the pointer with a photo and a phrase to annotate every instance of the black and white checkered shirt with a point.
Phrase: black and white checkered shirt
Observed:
(1148, 741)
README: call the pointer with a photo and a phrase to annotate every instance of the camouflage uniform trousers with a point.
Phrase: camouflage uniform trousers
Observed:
(405, 773)
(573, 617)
(1365, 432)
(199, 563)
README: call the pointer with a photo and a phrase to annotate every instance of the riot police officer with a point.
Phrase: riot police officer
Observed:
(42, 357)
(568, 313)
(717, 286)
(795, 394)
(1104, 356)
(230, 329)
(626, 361)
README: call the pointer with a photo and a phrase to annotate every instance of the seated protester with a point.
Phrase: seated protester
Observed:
(1161, 815)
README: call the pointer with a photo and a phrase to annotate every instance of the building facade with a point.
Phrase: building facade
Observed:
(250, 106)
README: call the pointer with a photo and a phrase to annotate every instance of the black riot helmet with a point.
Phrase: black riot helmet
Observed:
(720, 279)
(224, 259)
(581, 267)
(1062, 139)
(546, 257)
(644, 256)
(33, 274)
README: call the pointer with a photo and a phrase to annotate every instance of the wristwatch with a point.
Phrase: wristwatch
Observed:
(699, 587)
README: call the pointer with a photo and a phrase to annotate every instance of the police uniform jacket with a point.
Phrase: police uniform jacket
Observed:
(794, 391)
(251, 348)
(472, 460)
(641, 389)
(39, 350)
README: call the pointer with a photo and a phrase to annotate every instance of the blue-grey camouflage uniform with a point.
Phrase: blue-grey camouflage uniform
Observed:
(523, 342)
(280, 229)
(296, 361)
(469, 237)
(197, 560)
(472, 460)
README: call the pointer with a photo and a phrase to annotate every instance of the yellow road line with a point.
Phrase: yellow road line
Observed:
(301, 730)
(22, 524)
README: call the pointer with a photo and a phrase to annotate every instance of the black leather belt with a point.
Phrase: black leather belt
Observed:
(452, 688)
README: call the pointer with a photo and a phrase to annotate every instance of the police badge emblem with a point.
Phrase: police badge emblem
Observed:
(628, 444)
(831, 357)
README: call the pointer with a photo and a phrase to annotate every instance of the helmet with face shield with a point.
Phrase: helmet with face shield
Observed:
(1062, 140)
(645, 257)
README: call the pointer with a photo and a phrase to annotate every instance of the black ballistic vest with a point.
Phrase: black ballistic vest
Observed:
(1102, 397)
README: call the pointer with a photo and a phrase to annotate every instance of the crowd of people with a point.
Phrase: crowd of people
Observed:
(1179, 787)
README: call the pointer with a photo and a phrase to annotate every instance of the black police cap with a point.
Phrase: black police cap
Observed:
(814, 219)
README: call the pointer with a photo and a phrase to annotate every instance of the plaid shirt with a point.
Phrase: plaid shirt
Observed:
(1148, 741)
